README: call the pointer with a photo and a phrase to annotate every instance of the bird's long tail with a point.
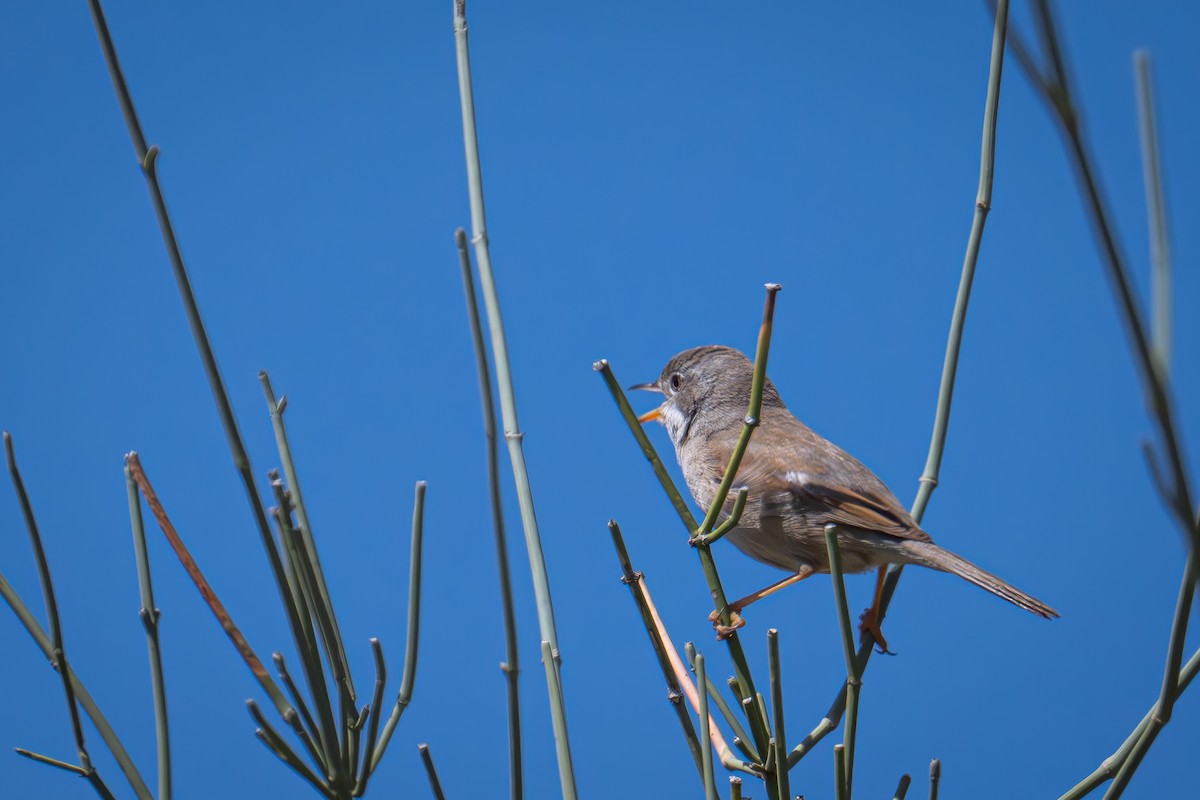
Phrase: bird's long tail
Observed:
(930, 555)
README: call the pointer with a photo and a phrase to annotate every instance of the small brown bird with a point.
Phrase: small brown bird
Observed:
(798, 483)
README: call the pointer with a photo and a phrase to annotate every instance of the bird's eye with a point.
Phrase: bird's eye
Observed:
(674, 381)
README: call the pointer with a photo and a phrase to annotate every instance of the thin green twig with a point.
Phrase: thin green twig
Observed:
(779, 734)
(740, 739)
(408, 675)
(1150, 350)
(1156, 212)
(147, 159)
(150, 616)
(698, 535)
(853, 673)
(1108, 768)
(331, 632)
(839, 772)
(107, 734)
(59, 658)
(435, 783)
(375, 713)
(276, 744)
(508, 403)
(511, 664)
(92, 776)
(937, 443)
(636, 583)
(706, 761)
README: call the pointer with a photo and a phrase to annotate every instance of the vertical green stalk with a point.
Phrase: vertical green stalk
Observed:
(737, 654)
(511, 665)
(558, 709)
(779, 735)
(1151, 352)
(147, 160)
(636, 583)
(983, 204)
(840, 790)
(937, 444)
(1160, 250)
(330, 631)
(508, 404)
(853, 671)
(59, 657)
(706, 760)
(1058, 92)
(409, 674)
(435, 783)
(150, 615)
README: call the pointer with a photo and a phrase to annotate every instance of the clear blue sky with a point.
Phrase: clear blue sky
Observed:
(648, 167)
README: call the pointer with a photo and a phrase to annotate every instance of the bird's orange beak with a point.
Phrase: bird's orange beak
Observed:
(649, 416)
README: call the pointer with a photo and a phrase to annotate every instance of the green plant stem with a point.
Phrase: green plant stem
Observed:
(1170, 684)
(150, 616)
(656, 463)
(511, 665)
(1152, 359)
(1109, 767)
(741, 740)
(840, 790)
(1160, 250)
(730, 522)
(293, 546)
(637, 588)
(408, 675)
(147, 160)
(853, 674)
(107, 734)
(558, 708)
(710, 781)
(508, 404)
(1058, 93)
(937, 443)
(59, 657)
(697, 535)
(435, 783)
(330, 631)
(91, 775)
(752, 417)
(779, 735)
(300, 583)
(375, 712)
(276, 744)
(737, 654)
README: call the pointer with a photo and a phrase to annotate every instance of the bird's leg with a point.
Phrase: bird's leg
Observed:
(868, 623)
(735, 618)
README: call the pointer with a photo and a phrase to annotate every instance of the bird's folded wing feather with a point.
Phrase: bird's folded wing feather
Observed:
(820, 484)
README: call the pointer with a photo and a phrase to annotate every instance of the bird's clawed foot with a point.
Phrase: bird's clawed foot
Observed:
(725, 631)
(868, 623)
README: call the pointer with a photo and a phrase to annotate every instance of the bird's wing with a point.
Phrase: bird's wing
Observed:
(828, 485)
(860, 508)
